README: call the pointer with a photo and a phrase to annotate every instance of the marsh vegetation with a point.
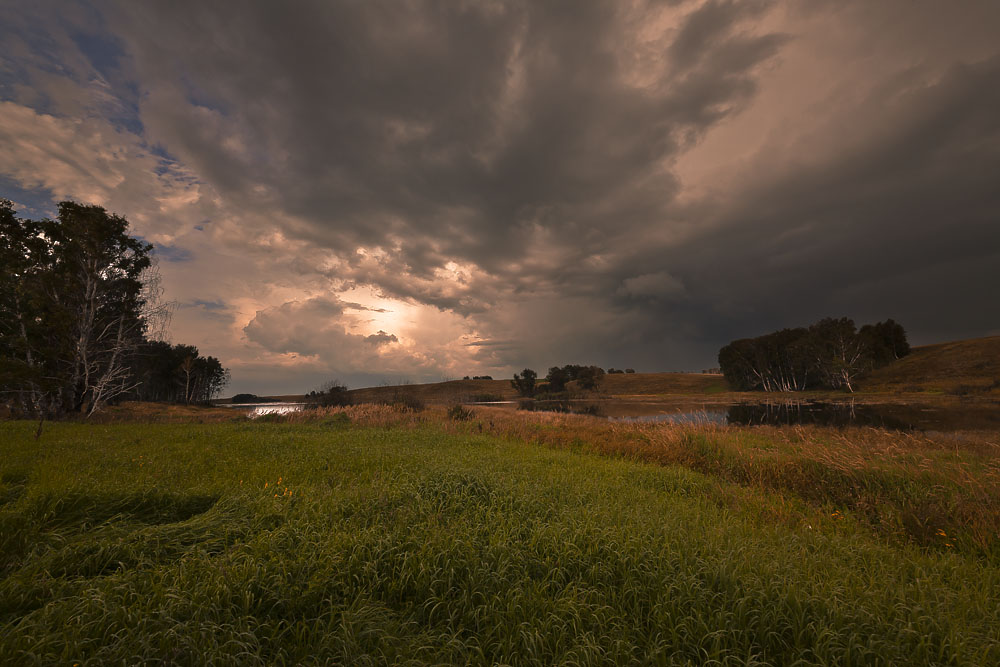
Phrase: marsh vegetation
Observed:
(377, 534)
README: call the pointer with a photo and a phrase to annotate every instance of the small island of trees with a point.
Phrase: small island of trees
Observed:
(830, 354)
(587, 378)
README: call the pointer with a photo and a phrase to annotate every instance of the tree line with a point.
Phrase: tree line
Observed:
(79, 309)
(830, 354)
(556, 380)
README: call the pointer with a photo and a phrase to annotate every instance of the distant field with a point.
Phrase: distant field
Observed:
(459, 391)
(966, 367)
(371, 535)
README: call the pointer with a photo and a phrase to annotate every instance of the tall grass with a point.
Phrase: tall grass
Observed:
(368, 535)
(938, 490)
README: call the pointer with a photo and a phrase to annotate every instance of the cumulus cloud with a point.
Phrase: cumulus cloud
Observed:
(328, 334)
(381, 338)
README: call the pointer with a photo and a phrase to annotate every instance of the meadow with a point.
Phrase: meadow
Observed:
(372, 535)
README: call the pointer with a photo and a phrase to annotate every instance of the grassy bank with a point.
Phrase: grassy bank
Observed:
(968, 368)
(372, 536)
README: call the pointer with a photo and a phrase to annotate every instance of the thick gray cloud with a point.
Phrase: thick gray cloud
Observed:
(423, 189)
(441, 131)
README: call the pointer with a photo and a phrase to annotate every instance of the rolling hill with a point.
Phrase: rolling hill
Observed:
(960, 367)
(632, 384)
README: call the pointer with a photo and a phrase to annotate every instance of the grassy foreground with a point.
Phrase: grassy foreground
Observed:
(330, 541)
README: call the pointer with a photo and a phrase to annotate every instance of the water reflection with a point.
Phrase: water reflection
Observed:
(258, 409)
(821, 414)
(837, 414)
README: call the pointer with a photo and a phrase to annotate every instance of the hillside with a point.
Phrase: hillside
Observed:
(645, 384)
(438, 392)
(631, 384)
(959, 367)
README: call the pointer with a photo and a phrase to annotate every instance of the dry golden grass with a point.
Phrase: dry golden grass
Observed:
(934, 489)
(644, 384)
(365, 414)
(136, 411)
(441, 393)
(969, 367)
(929, 488)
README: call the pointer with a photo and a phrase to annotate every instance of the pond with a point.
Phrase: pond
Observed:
(258, 409)
(786, 413)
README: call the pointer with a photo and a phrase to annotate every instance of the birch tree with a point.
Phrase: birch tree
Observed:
(72, 308)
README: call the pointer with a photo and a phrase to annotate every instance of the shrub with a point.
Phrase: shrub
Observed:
(409, 402)
(333, 393)
(460, 414)
(525, 382)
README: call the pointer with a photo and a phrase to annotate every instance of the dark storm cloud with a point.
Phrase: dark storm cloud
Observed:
(537, 142)
(457, 130)
(910, 190)
(622, 183)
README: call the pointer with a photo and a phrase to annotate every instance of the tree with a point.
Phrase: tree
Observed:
(557, 379)
(175, 373)
(589, 377)
(27, 373)
(333, 393)
(77, 297)
(95, 292)
(887, 341)
(831, 353)
(525, 382)
(75, 302)
(841, 354)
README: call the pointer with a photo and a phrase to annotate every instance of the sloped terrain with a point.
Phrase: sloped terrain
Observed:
(962, 367)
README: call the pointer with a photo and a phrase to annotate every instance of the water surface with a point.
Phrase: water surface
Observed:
(258, 409)
(788, 413)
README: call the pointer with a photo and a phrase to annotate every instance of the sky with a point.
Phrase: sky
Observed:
(379, 192)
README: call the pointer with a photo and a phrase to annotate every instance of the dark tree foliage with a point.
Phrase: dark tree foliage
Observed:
(27, 364)
(331, 394)
(175, 373)
(830, 354)
(586, 377)
(525, 382)
(887, 341)
(589, 377)
(557, 378)
(74, 312)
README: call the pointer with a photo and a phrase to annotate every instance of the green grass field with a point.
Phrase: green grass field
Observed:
(331, 542)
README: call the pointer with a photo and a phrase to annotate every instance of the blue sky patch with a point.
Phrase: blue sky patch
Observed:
(32, 203)
(172, 253)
